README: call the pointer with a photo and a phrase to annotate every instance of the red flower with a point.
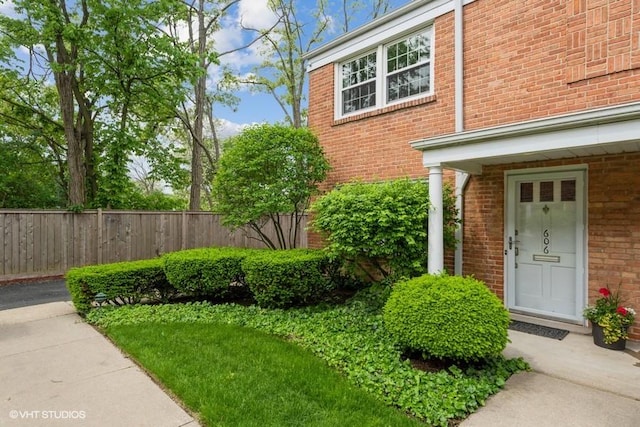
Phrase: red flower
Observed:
(622, 311)
(605, 292)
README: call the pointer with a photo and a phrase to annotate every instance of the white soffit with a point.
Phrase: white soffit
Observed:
(408, 18)
(603, 131)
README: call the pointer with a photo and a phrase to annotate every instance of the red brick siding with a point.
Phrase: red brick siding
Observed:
(376, 145)
(524, 60)
(483, 229)
(532, 59)
(613, 237)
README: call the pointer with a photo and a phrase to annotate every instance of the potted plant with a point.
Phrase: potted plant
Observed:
(610, 320)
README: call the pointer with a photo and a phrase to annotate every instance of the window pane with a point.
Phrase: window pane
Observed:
(392, 52)
(526, 192)
(413, 57)
(402, 61)
(392, 65)
(359, 97)
(408, 67)
(546, 191)
(359, 70)
(413, 81)
(568, 191)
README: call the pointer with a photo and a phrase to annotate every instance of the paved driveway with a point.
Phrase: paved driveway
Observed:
(32, 293)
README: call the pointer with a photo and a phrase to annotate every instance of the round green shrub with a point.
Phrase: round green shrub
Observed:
(447, 317)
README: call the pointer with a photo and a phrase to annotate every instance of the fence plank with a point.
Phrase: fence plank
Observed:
(35, 243)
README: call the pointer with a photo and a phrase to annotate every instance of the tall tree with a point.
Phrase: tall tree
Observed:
(31, 160)
(203, 19)
(115, 70)
(28, 113)
(141, 73)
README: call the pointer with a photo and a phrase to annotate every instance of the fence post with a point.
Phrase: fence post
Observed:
(99, 235)
(183, 243)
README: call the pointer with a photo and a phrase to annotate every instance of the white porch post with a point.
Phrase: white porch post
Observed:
(436, 222)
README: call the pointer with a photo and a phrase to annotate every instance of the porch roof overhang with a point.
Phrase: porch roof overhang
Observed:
(610, 130)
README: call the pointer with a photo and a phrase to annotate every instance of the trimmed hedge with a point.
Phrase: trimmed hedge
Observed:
(447, 317)
(280, 279)
(122, 283)
(206, 271)
(275, 278)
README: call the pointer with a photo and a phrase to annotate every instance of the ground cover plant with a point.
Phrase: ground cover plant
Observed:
(351, 338)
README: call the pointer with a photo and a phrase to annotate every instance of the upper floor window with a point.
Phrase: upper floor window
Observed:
(408, 67)
(398, 71)
(359, 83)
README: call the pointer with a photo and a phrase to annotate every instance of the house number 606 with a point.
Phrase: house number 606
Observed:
(546, 241)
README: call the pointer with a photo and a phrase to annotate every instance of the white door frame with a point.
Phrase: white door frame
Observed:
(580, 174)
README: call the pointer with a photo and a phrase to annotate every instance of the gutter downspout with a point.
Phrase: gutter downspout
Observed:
(459, 66)
(462, 178)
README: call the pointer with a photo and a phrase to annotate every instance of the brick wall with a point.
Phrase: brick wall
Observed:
(531, 59)
(613, 184)
(523, 60)
(516, 64)
(375, 145)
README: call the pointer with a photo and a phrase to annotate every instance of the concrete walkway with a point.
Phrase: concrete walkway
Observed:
(573, 383)
(55, 370)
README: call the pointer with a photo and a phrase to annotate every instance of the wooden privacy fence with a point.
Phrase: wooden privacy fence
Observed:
(46, 243)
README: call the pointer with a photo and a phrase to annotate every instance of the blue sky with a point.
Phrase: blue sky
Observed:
(256, 108)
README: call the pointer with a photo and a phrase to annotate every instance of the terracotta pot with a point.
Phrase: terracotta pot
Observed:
(598, 339)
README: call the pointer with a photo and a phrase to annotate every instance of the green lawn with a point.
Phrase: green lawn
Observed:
(324, 365)
(235, 376)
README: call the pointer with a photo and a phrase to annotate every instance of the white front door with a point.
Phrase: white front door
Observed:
(544, 244)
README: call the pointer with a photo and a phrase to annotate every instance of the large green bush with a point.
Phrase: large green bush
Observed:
(122, 283)
(266, 171)
(381, 225)
(447, 317)
(285, 278)
(206, 271)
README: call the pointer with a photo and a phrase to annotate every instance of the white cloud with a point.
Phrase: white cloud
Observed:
(7, 8)
(227, 128)
(256, 14)
(253, 14)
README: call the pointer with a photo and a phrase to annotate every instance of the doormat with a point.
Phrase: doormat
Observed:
(541, 331)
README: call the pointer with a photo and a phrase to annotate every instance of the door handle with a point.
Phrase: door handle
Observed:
(511, 242)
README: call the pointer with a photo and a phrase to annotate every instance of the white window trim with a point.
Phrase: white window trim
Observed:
(338, 85)
(430, 29)
(381, 75)
(415, 14)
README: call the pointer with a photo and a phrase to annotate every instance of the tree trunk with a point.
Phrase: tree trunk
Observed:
(75, 148)
(200, 99)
